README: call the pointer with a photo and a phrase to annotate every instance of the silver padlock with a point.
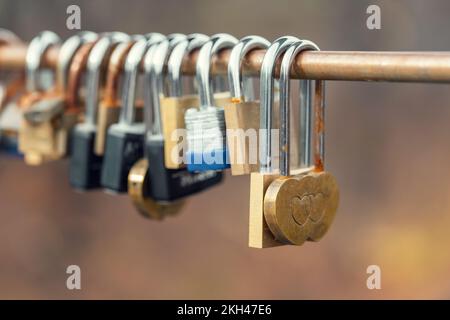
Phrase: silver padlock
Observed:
(206, 131)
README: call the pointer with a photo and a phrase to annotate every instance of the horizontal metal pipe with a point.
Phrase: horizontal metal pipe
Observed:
(326, 65)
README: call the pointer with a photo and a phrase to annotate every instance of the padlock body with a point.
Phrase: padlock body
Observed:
(206, 135)
(124, 147)
(242, 122)
(172, 184)
(108, 114)
(172, 114)
(138, 185)
(85, 166)
(10, 119)
(9, 143)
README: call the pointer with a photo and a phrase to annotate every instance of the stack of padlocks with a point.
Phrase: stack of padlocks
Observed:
(174, 143)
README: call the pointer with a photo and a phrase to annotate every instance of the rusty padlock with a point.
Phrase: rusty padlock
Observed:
(301, 207)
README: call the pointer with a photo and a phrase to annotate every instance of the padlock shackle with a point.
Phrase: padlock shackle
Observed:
(66, 53)
(182, 49)
(115, 64)
(155, 60)
(275, 50)
(238, 53)
(99, 53)
(132, 62)
(216, 43)
(35, 52)
(77, 66)
(305, 107)
(9, 37)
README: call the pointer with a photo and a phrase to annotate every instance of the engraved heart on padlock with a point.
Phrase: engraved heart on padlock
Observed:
(301, 208)
(308, 207)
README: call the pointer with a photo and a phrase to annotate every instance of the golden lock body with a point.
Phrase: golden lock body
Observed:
(302, 207)
(137, 190)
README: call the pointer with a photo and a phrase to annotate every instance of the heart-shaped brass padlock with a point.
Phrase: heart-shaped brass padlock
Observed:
(301, 208)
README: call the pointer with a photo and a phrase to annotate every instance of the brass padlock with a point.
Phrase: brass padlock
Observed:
(242, 115)
(301, 207)
(28, 132)
(138, 190)
(45, 128)
(175, 105)
(260, 235)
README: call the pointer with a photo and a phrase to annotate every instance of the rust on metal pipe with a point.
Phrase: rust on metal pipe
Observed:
(325, 65)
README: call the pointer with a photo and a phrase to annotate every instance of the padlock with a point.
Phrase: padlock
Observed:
(301, 207)
(260, 235)
(32, 137)
(85, 165)
(11, 89)
(167, 184)
(242, 115)
(206, 132)
(174, 106)
(109, 108)
(139, 191)
(125, 139)
(52, 102)
(11, 115)
(45, 129)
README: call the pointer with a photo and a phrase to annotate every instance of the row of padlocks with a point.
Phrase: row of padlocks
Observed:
(176, 140)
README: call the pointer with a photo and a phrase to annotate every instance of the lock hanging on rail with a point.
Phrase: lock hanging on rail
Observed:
(85, 165)
(125, 139)
(10, 93)
(50, 115)
(167, 184)
(174, 106)
(301, 207)
(242, 115)
(259, 233)
(139, 183)
(110, 104)
(33, 138)
(206, 131)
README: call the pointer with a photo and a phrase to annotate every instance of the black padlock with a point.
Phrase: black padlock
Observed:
(124, 141)
(168, 184)
(85, 165)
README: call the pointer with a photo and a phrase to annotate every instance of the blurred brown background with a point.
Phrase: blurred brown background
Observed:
(387, 144)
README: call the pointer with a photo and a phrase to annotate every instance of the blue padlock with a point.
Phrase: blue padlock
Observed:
(206, 132)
